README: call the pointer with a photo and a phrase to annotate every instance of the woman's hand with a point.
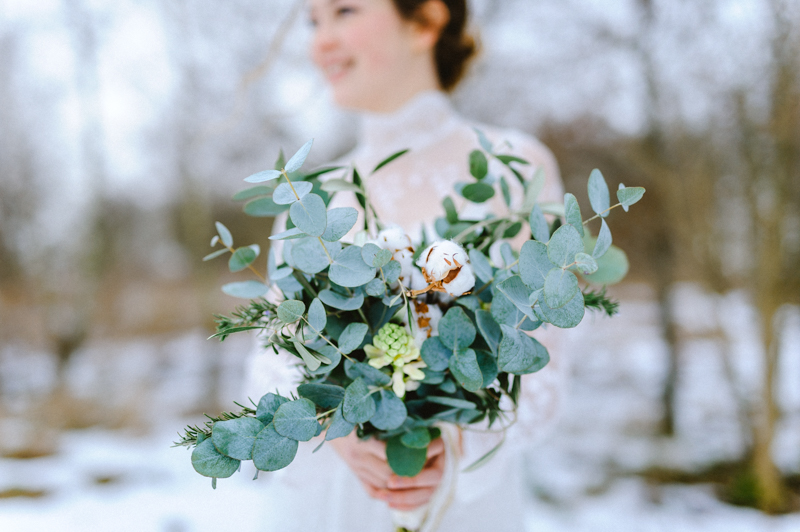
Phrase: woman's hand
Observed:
(367, 459)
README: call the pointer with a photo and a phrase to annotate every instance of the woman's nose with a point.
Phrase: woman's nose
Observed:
(324, 38)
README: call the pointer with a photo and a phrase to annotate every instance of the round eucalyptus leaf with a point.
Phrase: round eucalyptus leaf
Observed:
(534, 264)
(481, 266)
(375, 256)
(289, 234)
(477, 192)
(338, 301)
(207, 461)
(489, 329)
(375, 288)
(560, 287)
(236, 437)
(572, 212)
(253, 192)
(456, 330)
(418, 438)
(272, 451)
(297, 160)
(505, 312)
(563, 246)
(627, 196)
(392, 271)
(224, 234)
(478, 165)
(350, 270)
(464, 367)
(339, 427)
(352, 337)
(518, 352)
(370, 375)
(290, 311)
(325, 396)
(506, 191)
(435, 354)
(245, 289)
(340, 221)
(263, 208)
(340, 185)
(358, 406)
(405, 461)
(310, 257)
(267, 406)
(586, 263)
(603, 241)
(566, 317)
(215, 254)
(287, 194)
(266, 175)
(612, 267)
(309, 215)
(390, 411)
(539, 227)
(241, 259)
(296, 420)
(317, 317)
(488, 365)
(598, 193)
(518, 294)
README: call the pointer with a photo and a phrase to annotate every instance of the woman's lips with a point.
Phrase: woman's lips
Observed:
(336, 70)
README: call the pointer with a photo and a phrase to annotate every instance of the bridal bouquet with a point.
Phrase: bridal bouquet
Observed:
(398, 339)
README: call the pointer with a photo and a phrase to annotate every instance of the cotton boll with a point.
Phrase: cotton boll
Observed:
(394, 239)
(445, 266)
(440, 259)
(426, 320)
(406, 259)
(463, 283)
(418, 281)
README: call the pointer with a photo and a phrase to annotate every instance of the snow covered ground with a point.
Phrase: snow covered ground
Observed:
(581, 478)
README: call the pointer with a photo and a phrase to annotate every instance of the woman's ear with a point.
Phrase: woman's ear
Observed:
(429, 22)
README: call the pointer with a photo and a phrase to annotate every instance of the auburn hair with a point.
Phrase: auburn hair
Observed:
(455, 46)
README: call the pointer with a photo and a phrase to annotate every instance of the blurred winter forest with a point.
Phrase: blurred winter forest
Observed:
(127, 125)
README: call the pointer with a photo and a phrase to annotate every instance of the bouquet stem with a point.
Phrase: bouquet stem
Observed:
(427, 518)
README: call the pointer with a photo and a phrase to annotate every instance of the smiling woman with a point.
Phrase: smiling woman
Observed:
(376, 60)
(394, 61)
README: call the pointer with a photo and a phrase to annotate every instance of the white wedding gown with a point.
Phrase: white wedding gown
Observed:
(317, 492)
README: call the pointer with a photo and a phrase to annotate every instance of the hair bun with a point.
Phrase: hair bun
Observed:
(455, 46)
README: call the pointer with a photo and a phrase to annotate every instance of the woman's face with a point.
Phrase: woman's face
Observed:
(366, 51)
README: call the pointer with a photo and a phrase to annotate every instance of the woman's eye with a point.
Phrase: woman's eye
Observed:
(345, 10)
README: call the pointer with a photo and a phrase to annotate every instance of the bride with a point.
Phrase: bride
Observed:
(394, 61)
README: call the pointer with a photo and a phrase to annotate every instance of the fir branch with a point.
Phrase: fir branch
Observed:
(259, 313)
(599, 301)
(191, 433)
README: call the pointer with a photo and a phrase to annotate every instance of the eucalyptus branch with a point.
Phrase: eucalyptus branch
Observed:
(326, 339)
(249, 266)
(191, 433)
(303, 281)
(602, 213)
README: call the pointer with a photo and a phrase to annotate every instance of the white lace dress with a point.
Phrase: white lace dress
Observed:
(317, 492)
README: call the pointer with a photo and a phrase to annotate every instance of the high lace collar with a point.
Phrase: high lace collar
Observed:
(422, 120)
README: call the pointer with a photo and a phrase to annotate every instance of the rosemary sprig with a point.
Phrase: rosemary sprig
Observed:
(191, 433)
(599, 301)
